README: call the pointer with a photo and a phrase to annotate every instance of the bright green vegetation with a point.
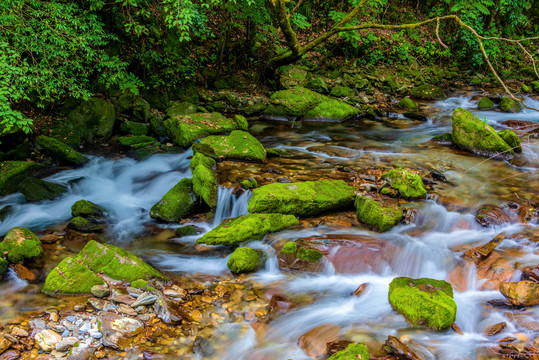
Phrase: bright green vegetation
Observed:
(380, 217)
(290, 248)
(177, 203)
(471, 134)
(275, 152)
(12, 173)
(70, 277)
(83, 225)
(87, 209)
(352, 352)
(303, 198)
(443, 138)
(37, 190)
(301, 102)
(310, 255)
(485, 104)
(342, 91)
(3, 265)
(139, 283)
(424, 302)
(238, 145)
(408, 103)
(511, 139)
(509, 105)
(294, 76)
(249, 184)
(244, 260)
(201, 159)
(205, 183)
(535, 86)
(317, 84)
(20, 245)
(428, 92)
(525, 88)
(409, 185)
(60, 151)
(234, 231)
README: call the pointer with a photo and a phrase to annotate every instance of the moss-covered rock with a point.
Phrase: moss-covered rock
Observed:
(310, 255)
(3, 265)
(471, 134)
(183, 130)
(134, 141)
(139, 284)
(511, 139)
(249, 184)
(409, 185)
(535, 86)
(342, 91)
(234, 231)
(238, 145)
(290, 248)
(428, 92)
(135, 128)
(303, 198)
(12, 173)
(301, 102)
(177, 203)
(37, 190)
(352, 352)
(424, 302)
(276, 152)
(201, 159)
(187, 230)
(525, 88)
(71, 277)
(443, 138)
(485, 104)
(20, 245)
(380, 217)
(294, 75)
(178, 108)
(83, 225)
(60, 151)
(87, 210)
(205, 184)
(408, 103)
(141, 110)
(509, 105)
(92, 120)
(318, 84)
(244, 260)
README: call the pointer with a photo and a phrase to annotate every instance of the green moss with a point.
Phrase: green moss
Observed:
(290, 248)
(242, 122)
(234, 231)
(87, 209)
(135, 128)
(238, 145)
(317, 84)
(179, 108)
(272, 153)
(294, 75)
(244, 260)
(443, 138)
(37, 190)
(94, 119)
(205, 183)
(535, 86)
(20, 245)
(83, 225)
(471, 134)
(424, 302)
(485, 104)
(352, 352)
(187, 230)
(302, 199)
(139, 283)
(136, 140)
(509, 105)
(177, 203)
(511, 139)
(71, 277)
(3, 265)
(186, 129)
(408, 103)
(12, 173)
(342, 91)
(249, 184)
(201, 159)
(373, 213)
(525, 88)
(311, 255)
(409, 185)
(428, 92)
(60, 151)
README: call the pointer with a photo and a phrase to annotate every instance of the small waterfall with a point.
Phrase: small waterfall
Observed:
(230, 205)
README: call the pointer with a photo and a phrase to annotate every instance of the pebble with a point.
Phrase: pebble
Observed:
(134, 291)
(66, 343)
(71, 319)
(65, 333)
(145, 299)
(47, 339)
(96, 334)
(100, 291)
(17, 331)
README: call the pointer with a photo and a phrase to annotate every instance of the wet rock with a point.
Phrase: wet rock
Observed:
(525, 126)
(314, 341)
(416, 116)
(424, 302)
(377, 215)
(12, 173)
(402, 351)
(234, 231)
(70, 277)
(123, 299)
(126, 310)
(24, 273)
(428, 92)
(352, 351)
(118, 330)
(360, 289)
(83, 225)
(336, 346)
(92, 120)
(495, 329)
(408, 103)
(203, 346)
(522, 293)
(168, 311)
(481, 252)
(5, 211)
(99, 304)
(205, 183)
(37, 325)
(188, 230)
(178, 203)
(100, 291)
(38, 190)
(531, 273)
(279, 305)
(528, 214)
(508, 104)
(238, 145)
(60, 152)
(17, 331)
(87, 210)
(10, 355)
(47, 340)
(244, 260)
(511, 139)
(145, 299)
(66, 343)
(20, 245)
(4, 344)
(408, 184)
(485, 104)
(489, 215)
(299, 257)
(444, 139)
(249, 184)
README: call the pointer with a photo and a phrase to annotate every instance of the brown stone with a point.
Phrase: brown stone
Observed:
(118, 330)
(491, 215)
(479, 253)
(360, 289)
(24, 273)
(396, 347)
(495, 329)
(279, 305)
(521, 125)
(314, 342)
(336, 346)
(532, 274)
(528, 214)
(523, 293)
(457, 329)
(4, 344)
(10, 355)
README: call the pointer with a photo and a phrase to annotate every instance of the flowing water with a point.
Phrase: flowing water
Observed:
(431, 247)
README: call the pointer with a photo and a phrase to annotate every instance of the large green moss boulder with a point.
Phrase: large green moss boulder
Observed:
(71, 277)
(37, 190)
(424, 302)
(510, 105)
(234, 231)
(294, 75)
(301, 102)
(352, 352)
(428, 92)
(12, 173)
(92, 120)
(511, 139)
(303, 198)
(205, 184)
(183, 130)
(485, 104)
(409, 185)
(408, 103)
(471, 134)
(20, 245)
(177, 203)
(244, 260)
(377, 215)
(201, 159)
(238, 145)
(87, 210)
(60, 151)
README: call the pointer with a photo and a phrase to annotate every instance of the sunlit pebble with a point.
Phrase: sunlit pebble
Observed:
(405, 338)
(521, 337)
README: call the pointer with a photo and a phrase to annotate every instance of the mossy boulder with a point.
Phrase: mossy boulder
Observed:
(424, 302)
(303, 198)
(443, 138)
(187, 230)
(37, 190)
(183, 130)
(318, 84)
(178, 108)
(408, 103)
(238, 145)
(249, 184)
(141, 110)
(234, 231)
(20, 245)
(205, 184)
(535, 86)
(177, 203)
(135, 128)
(83, 225)
(428, 92)
(352, 352)
(201, 159)
(3, 265)
(511, 139)
(485, 104)
(301, 102)
(93, 120)
(510, 105)
(244, 260)
(87, 210)
(294, 75)
(60, 151)
(342, 91)
(71, 277)
(139, 284)
(377, 215)
(408, 184)
(12, 173)
(136, 141)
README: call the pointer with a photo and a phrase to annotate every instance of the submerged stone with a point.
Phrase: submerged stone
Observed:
(87, 210)
(428, 92)
(83, 225)
(380, 217)
(177, 203)
(511, 139)
(37, 190)
(205, 183)
(60, 151)
(234, 231)
(303, 198)
(409, 185)
(471, 134)
(443, 138)
(238, 145)
(510, 105)
(188, 230)
(12, 173)
(20, 245)
(485, 104)
(244, 260)
(424, 302)
(352, 352)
